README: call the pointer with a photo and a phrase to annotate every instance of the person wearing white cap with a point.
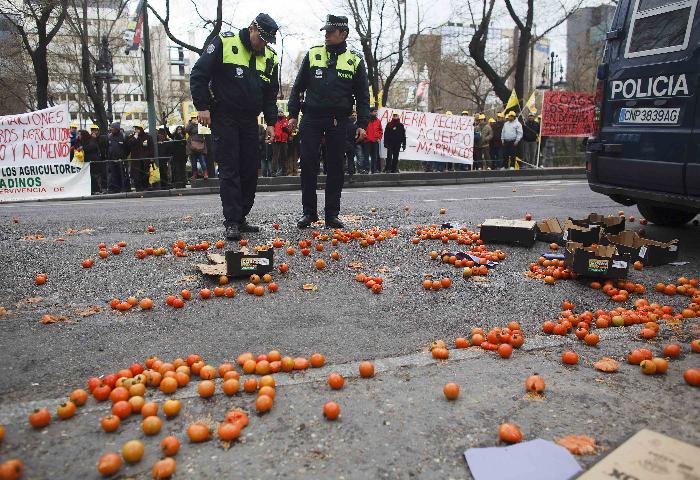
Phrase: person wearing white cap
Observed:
(511, 135)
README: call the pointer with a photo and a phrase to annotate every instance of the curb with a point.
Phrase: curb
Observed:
(409, 179)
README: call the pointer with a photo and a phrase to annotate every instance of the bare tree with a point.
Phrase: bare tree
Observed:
(37, 23)
(375, 23)
(88, 40)
(526, 38)
(17, 84)
(215, 24)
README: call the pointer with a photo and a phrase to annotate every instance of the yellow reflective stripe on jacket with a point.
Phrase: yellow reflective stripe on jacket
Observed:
(347, 61)
(234, 52)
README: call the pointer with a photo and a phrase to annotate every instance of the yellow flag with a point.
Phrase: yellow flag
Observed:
(530, 104)
(512, 101)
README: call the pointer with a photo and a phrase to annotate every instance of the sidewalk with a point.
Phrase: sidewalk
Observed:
(408, 179)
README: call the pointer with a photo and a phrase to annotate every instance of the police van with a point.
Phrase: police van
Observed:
(645, 148)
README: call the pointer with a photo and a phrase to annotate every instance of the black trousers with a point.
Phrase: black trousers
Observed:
(509, 153)
(392, 158)
(350, 159)
(311, 130)
(235, 140)
(139, 173)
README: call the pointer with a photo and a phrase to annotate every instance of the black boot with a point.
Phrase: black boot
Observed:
(233, 232)
(246, 227)
(334, 222)
(307, 220)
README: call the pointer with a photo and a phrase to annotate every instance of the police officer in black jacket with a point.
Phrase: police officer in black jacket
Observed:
(231, 83)
(331, 75)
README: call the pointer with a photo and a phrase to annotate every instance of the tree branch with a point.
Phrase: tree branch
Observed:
(166, 26)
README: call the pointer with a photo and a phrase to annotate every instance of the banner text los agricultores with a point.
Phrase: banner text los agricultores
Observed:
(35, 157)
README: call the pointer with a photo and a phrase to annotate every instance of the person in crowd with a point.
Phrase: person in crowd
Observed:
(196, 148)
(350, 144)
(362, 160)
(87, 144)
(117, 151)
(293, 153)
(98, 170)
(496, 146)
(165, 154)
(482, 139)
(234, 80)
(394, 139)
(73, 138)
(140, 147)
(531, 130)
(333, 77)
(266, 165)
(262, 149)
(511, 134)
(179, 133)
(371, 145)
(279, 145)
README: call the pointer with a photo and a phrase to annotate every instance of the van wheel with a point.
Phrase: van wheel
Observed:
(665, 216)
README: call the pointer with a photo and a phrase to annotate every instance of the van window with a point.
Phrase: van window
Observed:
(659, 26)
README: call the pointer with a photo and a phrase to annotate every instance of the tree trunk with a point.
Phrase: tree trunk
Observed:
(41, 71)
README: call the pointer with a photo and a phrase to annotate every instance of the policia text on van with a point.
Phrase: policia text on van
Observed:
(646, 147)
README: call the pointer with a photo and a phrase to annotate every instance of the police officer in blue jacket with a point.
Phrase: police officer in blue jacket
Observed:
(234, 80)
(334, 79)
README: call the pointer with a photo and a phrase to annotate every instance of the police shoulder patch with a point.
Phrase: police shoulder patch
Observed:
(210, 48)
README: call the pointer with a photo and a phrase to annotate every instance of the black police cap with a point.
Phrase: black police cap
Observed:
(336, 23)
(267, 27)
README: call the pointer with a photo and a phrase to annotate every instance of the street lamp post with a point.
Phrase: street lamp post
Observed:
(554, 63)
(105, 72)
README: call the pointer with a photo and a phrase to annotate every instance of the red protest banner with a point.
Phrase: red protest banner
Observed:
(567, 114)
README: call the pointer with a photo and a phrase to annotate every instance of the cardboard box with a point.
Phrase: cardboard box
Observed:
(610, 224)
(237, 264)
(581, 234)
(649, 252)
(648, 455)
(517, 232)
(550, 230)
(245, 263)
(602, 261)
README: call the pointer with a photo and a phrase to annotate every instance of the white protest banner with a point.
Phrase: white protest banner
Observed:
(434, 137)
(35, 157)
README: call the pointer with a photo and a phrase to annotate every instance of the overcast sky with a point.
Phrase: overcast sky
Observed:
(300, 20)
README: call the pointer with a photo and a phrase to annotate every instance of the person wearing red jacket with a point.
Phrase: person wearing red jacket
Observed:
(371, 145)
(279, 145)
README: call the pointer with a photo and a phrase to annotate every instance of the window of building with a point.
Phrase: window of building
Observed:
(659, 26)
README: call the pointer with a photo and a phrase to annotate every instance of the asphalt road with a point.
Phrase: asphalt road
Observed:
(397, 425)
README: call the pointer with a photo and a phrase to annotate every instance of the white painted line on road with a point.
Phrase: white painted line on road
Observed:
(488, 198)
